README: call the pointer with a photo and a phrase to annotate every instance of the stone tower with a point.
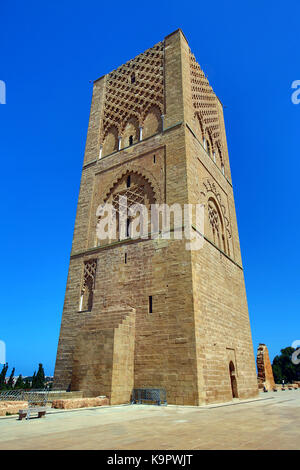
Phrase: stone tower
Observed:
(148, 312)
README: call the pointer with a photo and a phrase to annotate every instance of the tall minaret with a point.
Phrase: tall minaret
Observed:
(148, 312)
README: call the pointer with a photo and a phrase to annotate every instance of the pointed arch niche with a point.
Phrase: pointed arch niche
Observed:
(152, 122)
(131, 132)
(216, 225)
(138, 190)
(110, 143)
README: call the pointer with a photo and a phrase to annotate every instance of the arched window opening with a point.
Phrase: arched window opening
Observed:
(208, 147)
(233, 381)
(87, 291)
(138, 193)
(131, 133)
(128, 227)
(217, 225)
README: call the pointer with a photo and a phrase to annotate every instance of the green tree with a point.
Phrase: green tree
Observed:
(284, 368)
(2, 376)
(20, 382)
(38, 379)
(33, 381)
(27, 383)
(10, 383)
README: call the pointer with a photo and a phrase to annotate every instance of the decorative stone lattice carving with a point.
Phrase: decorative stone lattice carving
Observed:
(210, 187)
(213, 217)
(140, 191)
(133, 88)
(205, 106)
(216, 225)
(134, 195)
(89, 274)
(137, 172)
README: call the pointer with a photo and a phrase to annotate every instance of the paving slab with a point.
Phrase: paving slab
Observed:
(268, 423)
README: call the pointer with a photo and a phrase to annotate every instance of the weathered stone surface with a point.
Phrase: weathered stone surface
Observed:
(72, 403)
(197, 342)
(106, 366)
(264, 369)
(11, 407)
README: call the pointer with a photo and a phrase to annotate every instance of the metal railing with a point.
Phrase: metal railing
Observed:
(33, 397)
(154, 395)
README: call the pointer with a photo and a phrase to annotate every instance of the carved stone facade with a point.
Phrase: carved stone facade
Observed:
(134, 100)
(148, 312)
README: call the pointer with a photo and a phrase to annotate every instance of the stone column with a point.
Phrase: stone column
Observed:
(264, 369)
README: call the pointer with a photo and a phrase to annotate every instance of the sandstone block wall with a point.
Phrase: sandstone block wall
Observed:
(103, 358)
(12, 407)
(73, 403)
(264, 368)
(196, 343)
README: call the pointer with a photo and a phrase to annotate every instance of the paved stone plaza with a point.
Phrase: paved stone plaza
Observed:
(270, 422)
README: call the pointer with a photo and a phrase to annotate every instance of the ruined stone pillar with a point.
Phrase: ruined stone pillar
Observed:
(264, 369)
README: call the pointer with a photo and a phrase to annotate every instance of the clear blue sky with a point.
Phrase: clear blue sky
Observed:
(49, 53)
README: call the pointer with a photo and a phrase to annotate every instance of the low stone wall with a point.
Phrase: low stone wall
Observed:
(287, 386)
(62, 395)
(73, 403)
(11, 407)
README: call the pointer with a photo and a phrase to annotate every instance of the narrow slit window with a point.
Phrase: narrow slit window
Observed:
(130, 139)
(154, 159)
(128, 228)
(150, 304)
(125, 258)
(208, 148)
(128, 181)
(133, 78)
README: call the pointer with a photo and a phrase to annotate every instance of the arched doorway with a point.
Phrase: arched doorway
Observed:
(233, 380)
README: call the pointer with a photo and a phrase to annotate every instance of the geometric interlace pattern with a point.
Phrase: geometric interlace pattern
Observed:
(205, 103)
(213, 217)
(127, 198)
(124, 99)
(89, 273)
